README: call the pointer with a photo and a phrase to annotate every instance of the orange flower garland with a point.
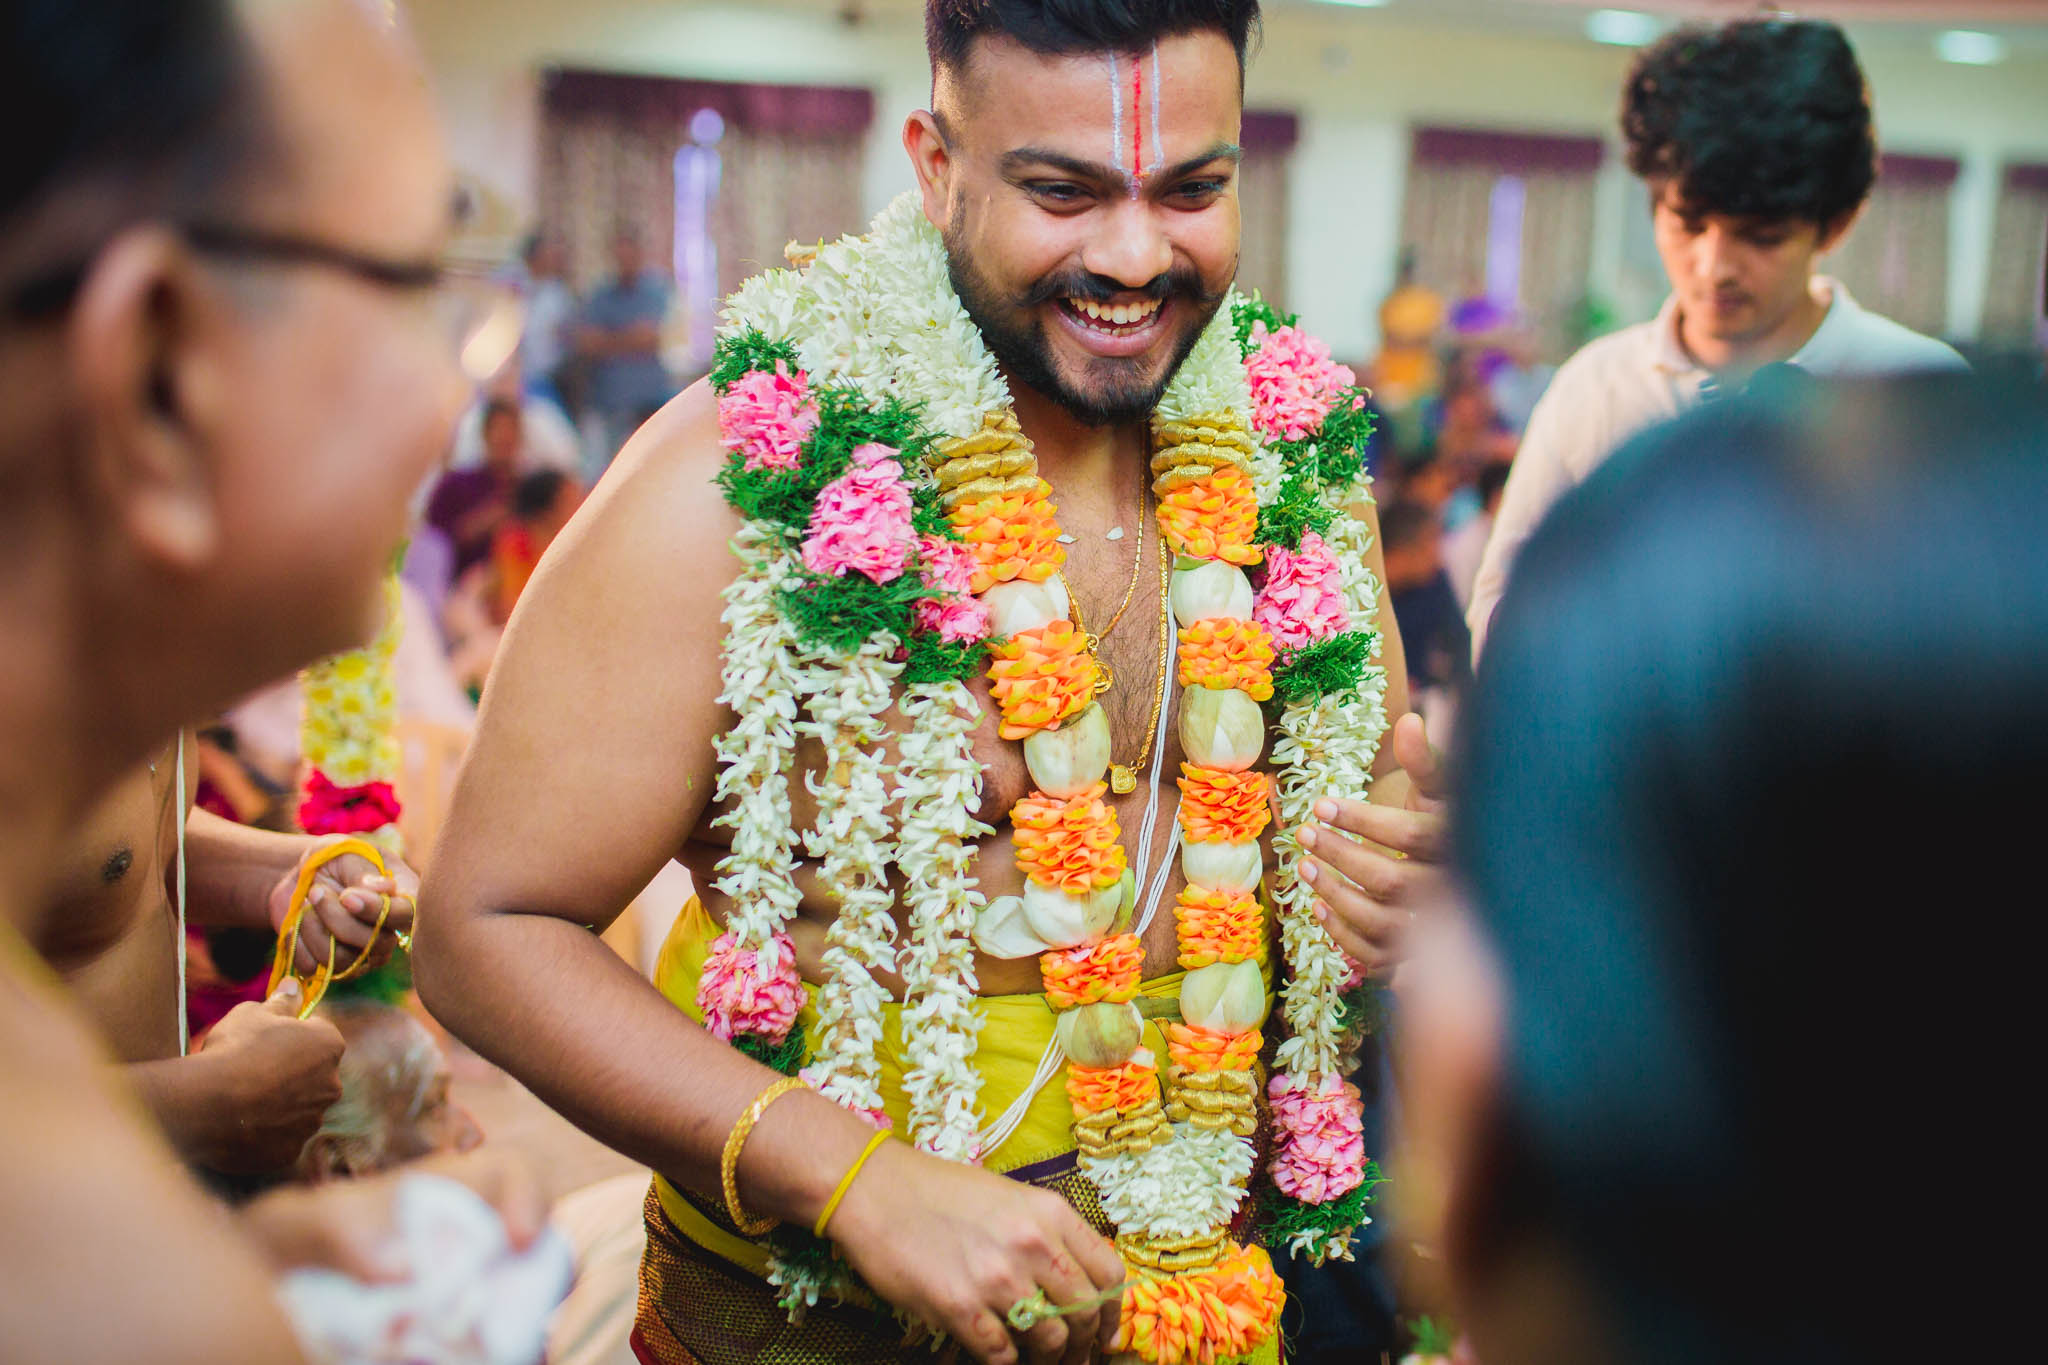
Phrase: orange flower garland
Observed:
(1226, 652)
(1102, 1089)
(1216, 518)
(1220, 807)
(1193, 1048)
(1219, 926)
(1013, 535)
(1203, 1316)
(1106, 969)
(1041, 677)
(1069, 845)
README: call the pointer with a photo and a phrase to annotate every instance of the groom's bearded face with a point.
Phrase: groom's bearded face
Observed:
(1092, 220)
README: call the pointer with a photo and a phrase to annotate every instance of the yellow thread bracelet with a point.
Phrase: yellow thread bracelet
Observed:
(846, 1183)
(288, 933)
(729, 1160)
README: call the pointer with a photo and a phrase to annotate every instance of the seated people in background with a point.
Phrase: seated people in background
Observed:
(469, 505)
(541, 507)
(1464, 546)
(255, 1086)
(394, 1105)
(1432, 628)
(474, 619)
(1676, 1087)
(547, 440)
(1754, 141)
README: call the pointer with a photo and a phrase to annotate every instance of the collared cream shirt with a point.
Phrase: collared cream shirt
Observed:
(1631, 380)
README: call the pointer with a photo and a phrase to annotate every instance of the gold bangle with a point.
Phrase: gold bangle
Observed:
(729, 1160)
(846, 1182)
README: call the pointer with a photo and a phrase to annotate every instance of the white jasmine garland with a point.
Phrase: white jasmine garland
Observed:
(1326, 748)
(1181, 1188)
(852, 841)
(1349, 541)
(761, 682)
(1211, 380)
(939, 785)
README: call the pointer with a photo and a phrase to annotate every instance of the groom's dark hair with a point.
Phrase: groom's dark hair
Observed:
(1065, 26)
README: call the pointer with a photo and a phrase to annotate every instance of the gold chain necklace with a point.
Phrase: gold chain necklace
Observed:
(1137, 566)
(1123, 777)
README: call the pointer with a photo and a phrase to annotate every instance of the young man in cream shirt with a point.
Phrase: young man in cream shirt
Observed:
(1755, 141)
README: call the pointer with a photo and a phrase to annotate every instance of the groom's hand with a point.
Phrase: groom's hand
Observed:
(1373, 866)
(958, 1246)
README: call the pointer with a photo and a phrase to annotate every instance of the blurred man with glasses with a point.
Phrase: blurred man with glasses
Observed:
(228, 351)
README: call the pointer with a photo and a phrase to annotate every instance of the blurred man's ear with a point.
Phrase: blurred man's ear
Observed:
(141, 343)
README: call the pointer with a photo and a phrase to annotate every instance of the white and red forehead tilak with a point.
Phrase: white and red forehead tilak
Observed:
(1135, 147)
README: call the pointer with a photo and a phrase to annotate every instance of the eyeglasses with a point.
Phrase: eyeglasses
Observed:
(481, 316)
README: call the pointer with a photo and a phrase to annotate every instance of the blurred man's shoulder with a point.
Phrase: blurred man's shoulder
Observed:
(1625, 350)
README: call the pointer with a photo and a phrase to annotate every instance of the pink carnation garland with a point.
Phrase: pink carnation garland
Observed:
(1294, 382)
(767, 415)
(737, 999)
(957, 615)
(1302, 600)
(1320, 1147)
(861, 520)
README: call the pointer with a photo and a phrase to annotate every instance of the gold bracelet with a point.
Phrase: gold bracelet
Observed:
(729, 1160)
(846, 1182)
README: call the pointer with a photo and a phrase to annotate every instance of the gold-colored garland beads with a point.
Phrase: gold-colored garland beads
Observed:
(1190, 451)
(1115, 1132)
(1213, 1101)
(1170, 1254)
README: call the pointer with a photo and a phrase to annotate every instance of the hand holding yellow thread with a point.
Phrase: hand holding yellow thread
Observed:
(315, 980)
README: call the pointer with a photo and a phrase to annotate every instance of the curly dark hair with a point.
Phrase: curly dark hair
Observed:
(1760, 118)
(1062, 26)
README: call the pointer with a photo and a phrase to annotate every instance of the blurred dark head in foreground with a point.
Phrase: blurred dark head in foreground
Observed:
(1749, 827)
(225, 347)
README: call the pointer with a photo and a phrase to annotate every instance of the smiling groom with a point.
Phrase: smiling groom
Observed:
(1048, 588)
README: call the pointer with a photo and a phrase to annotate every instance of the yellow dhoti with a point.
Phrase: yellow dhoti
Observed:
(703, 1300)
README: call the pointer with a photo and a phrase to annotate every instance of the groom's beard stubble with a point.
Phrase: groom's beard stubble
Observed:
(1016, 336)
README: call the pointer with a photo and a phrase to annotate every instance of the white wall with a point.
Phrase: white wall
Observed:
(1359, 82)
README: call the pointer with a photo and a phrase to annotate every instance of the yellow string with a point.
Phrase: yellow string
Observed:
(315, 985)
(846, 1182)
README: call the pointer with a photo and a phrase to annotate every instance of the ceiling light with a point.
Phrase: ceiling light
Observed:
(1622, 27)
(1357, 4)
(1970, 49)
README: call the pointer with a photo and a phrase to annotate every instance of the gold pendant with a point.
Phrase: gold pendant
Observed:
(1122, 780)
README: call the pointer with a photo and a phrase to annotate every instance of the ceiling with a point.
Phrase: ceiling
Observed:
(1891, 24)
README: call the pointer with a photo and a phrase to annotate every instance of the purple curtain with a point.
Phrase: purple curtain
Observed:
(1509, 153)
(812, 110)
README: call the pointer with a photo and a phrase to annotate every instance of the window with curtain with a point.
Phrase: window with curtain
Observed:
(741, 169)
(1507, 217)
(2013, 301)
(1269, 137)
(1895, 260)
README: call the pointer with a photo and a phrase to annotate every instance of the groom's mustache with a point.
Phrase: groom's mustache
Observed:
(1182, 281)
